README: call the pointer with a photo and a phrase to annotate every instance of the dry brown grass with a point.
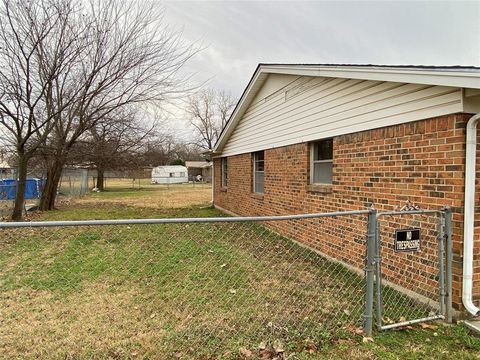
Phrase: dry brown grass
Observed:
(6, 207)
(152, 196)
(97, 324)
(101, 324)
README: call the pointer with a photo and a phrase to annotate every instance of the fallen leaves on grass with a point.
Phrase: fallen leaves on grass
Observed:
(355, 330)
(428, 326)
(267, 354)
(247, 354)
(387, 320)
(278, 346)
(310, 346)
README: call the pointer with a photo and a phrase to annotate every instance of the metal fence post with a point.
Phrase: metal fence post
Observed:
(448, 235)
(369, 271)
(378, 276)
(441, 261)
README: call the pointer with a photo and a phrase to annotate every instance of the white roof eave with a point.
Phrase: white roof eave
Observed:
(454, 78)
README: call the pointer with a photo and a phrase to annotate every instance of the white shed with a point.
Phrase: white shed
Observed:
(171, 174)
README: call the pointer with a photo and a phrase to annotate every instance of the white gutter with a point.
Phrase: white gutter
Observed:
(469, 214)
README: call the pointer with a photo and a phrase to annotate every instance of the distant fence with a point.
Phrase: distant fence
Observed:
(74, 182)
(116, 182)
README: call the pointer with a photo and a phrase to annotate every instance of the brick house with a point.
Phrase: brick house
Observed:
(317, 138)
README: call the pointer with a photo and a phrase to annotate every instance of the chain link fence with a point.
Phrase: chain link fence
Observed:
(209, 287)
(190, 288)
(122, 183)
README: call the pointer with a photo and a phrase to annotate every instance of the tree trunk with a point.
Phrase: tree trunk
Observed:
(100, 179)
(17, 214)
(49, 193)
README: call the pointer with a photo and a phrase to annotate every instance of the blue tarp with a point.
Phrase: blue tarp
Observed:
(33, 188)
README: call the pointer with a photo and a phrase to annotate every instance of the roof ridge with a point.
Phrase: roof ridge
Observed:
(411, 66)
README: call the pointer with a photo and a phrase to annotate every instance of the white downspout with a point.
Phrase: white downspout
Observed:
(213, 182)
(469, 214)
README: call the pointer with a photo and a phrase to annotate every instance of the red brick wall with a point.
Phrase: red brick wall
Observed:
(422, 162)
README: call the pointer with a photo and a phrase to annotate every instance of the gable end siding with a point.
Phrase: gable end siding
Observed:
(311, 108)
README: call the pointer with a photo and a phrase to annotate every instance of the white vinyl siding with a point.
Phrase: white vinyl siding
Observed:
(309, 108)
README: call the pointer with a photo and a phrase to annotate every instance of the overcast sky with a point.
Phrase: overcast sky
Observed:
(240, 34)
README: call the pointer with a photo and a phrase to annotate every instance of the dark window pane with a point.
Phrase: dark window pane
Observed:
(323, 150)
(260, 155)
(260, 166)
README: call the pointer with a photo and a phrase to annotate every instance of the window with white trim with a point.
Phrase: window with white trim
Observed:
(224, 171)
(321, 162)
(258, 172)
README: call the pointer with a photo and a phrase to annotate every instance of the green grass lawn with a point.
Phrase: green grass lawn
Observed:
(193, 291)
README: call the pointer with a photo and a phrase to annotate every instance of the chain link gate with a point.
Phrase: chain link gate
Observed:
(413, 275)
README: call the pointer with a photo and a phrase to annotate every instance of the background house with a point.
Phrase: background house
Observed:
(203, 168)
(6, 171)
(319, 138)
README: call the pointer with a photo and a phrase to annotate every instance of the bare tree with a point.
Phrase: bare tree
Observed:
(36, 45)
(208, 112)
(160, 150)
(130, 57)
(118, 142)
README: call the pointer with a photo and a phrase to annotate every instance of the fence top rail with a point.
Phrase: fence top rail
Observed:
(176, 220)
(409, 212)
